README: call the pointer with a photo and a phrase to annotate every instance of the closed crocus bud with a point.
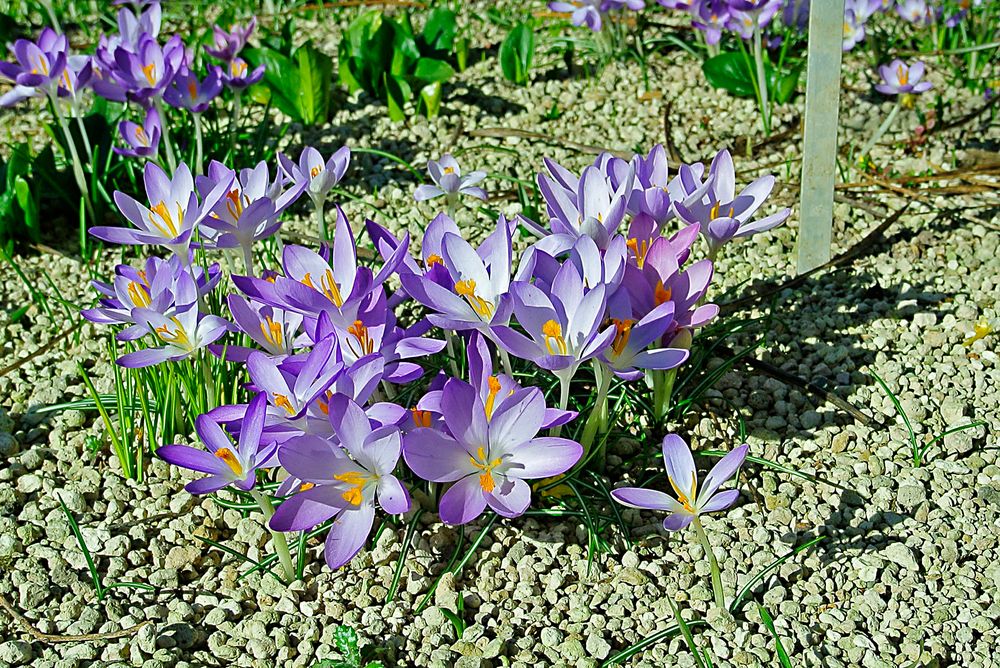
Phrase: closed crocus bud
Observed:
(682, 339)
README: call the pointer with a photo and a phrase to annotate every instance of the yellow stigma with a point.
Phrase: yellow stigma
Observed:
(314, 172)
(141, 136)
(360, 334)
(623, 330)
(467, 289)
(661, 294)
(273, 332)
(236, 204)
(138, 294)
(193, 91)
(327, 285)
(552, 332)
(177, 337)
(306, 486)
(238, 68)
(421, 418)
(324, 402)
(150, 72)
(227, 455)
(639, 250)
(486, 477)
(902, 74)
(491, 398)
(357, 481)
(281, 401)
(433, 260)
(682, 497)
(43, 65)
(449, 170)
(166, 225)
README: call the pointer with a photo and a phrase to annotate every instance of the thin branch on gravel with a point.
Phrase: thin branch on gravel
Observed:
(668, 135)
(26, 624)
(48, 346)
(503, 133)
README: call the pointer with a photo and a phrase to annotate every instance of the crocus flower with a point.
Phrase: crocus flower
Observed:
(172, 215)
(343, 481)
(488, 453)
(141, 76)
(37, 69)
(227, 44)
(237, 74)
(854, 30)
(187, 92)
(320, 177)
(182, 334)
(710, 17)
(562, 323)
(225, 463)
(143, 140)
(628, 355)
(273, 329)
(449, 182)
(582, 12)
(691, 501)
(899, 78)
(915, 11)
(481, 280)
(724, 215)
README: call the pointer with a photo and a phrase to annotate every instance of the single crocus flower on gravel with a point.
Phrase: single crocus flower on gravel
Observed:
(898, 78)
(225, 463)
(143, 140)
(237, 74)
(489, 453)
(449, 182)
(343, 481)
(689, 501)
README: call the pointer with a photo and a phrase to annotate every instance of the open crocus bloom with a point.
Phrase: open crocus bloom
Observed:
(488, 453)
(225, 463)
(595, 209)
(143, 140)
(689, 500)
(319, 177)
(449, 181)
(898, 78)
(343, 480)
(182, 334)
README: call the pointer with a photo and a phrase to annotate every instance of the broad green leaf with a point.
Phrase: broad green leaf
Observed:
(440, 29)
(430, 96)
(28, 207)
(729, 71)
(315, 74)
(429, 70)
(516, 53)
(397, 93)
(280, 75)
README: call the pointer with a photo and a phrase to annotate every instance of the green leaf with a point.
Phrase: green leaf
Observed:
(281, 76)
(430, 96)
(440, 29)
(783, 657)
(397, 93)
(429, 70)
(315, 73)
(516, 54)
(28, 207)
(729, 71)
(346, 639)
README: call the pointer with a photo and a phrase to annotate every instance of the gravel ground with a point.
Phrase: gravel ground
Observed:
(908, 574)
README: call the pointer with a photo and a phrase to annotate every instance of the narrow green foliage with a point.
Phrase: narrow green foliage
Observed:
(516, 54)
(741, 596)
(782, 655)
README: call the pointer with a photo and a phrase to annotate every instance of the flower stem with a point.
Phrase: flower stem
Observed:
(882, 129)
(86, 139)
(594, 421)
(277, 538)
(505, 359)
(234, 118)
(248, 260)
(197, 142)
(663, 389)
(450, 342)
(564, 382)
(165, 130)
(206, 366)
(758, 56)
(720, 597)
(321, 220)
(81, 181)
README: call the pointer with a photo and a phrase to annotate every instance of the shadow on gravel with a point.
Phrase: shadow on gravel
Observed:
(492, 106)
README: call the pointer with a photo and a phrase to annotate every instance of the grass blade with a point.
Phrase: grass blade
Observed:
(783, 658)
(411, 529)
(735, 606)
(75, 528)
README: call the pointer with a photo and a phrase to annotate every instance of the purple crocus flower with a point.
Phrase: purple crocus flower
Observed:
(38, 67)
(141, 76)
(225, 463)
(481, 281)
(187, 92)
(582, 12)
(488, 453)
(173, 213)
(710, 17)
(691, 501)
(227, 44)
(744, 15)
(724, 215)
(143, 140)
(273, 329)
(320, 177)
(237, 74)
(562, 323)
(449, 182)
(628, 355)
(182, 334)
(915, 11)
(343, 481)
(854, 29)
(899, 78)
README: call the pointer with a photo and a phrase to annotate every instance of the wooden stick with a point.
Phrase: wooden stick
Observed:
(53, 638)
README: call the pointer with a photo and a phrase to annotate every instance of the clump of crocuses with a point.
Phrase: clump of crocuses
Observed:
(345, 411)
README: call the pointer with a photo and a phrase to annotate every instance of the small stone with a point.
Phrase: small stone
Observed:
(15, 653)
(899, 553)
(597, 646)
(551, 637)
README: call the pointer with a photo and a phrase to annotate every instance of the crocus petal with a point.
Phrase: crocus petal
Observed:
(680, 464)
(647, 499)
(392, 495)
(677, 521)
(723, 470)
(463, 502)
(348, 535)
(545, 457)
(434, 456)
(306, 509)
(510, 497)
(720, 501)
(192, 458)
(212, 483)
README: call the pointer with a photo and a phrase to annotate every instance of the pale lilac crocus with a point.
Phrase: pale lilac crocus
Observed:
(187, 91)
(227, 464)
(143, 141)
(37, 68)
(689, 501)
(582, 12)
(237, 74)
(320, 177)
(448, 181)
(629, 354)
(489, 453)
(182, 334)
(227, 44)
(275, 330)
(899, 78)
(343, 481)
